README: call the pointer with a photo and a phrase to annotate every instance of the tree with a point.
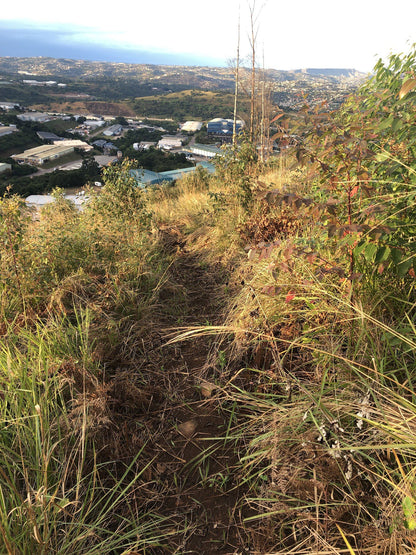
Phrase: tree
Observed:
(90, 168)
(237, 77)
(366, 155)
(121, 120)
(121, 200)
(253, 46)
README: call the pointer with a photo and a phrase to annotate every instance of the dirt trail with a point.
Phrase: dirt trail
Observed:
(156, 401)
(205, 500)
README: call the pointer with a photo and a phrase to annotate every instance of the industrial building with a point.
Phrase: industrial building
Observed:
(147, 178)
(100, 143)
(4, 167)
(209, 151)
(6, 130)
(34, 116)
(42, 154)
(144, 145)
(47, 136)
(191, 126)
(93, 123)
(76, 143)
(168, 142)
(38, 201)
(224, 127)
(9, 105)
(107, 146)
(36, 83)
(113, 130)
(105, 160)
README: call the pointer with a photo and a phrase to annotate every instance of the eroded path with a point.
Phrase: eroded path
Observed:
(204, 499)
(160, 407)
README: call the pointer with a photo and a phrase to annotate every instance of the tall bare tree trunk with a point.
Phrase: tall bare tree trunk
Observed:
(263, 115)
(253, 38)
(266, 114)
(237, 76)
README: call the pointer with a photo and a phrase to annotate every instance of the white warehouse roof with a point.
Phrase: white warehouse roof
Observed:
(191, 126)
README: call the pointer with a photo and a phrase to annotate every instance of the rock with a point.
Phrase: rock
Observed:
(187, 429)
(207, 388)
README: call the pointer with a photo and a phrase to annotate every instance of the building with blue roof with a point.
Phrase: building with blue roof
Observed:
(148, 178)
(220, 126)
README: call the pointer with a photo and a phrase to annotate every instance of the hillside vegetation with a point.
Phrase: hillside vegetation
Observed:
(226, 365)
(188, 104)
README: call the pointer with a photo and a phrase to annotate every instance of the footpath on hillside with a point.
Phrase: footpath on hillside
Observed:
(191, 457)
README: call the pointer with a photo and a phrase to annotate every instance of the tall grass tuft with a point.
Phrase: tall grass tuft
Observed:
(54, 496)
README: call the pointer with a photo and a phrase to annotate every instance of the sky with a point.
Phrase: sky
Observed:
(291, 34)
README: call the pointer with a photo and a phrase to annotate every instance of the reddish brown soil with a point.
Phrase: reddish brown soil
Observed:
(210, 510)
(152, 400)
(88, 107)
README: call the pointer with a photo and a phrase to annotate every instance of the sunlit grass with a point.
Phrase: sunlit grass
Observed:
(311, 374)
(53, 493)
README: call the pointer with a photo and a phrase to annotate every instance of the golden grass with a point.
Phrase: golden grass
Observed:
(313, 385)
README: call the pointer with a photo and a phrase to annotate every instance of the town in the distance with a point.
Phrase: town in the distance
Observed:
(62, 120)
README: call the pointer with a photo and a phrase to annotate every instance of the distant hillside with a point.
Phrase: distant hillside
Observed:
(156, 77)
(149, 90)
(330, 72)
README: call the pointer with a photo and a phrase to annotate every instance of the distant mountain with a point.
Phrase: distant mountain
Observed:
(44, 80)
(330, 72)
(158, 75)
(158, 78)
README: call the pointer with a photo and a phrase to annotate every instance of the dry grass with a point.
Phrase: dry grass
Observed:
(231, 398)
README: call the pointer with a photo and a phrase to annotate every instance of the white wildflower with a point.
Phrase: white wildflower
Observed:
(348, 474)
(364, 412)
(336, 450)
(323, 432)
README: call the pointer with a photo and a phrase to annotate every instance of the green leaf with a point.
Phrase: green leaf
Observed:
(359, 248)
(396, 256)
(382, 157)
(370, 251)
(386, 123)
(411, 524)
(392, 528)
(382, 254)
(405, 266)
(408, 507)
(397, 123)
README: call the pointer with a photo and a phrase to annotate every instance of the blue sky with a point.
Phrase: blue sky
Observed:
(291, 34)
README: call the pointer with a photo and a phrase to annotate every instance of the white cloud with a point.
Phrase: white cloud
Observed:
(292, 34)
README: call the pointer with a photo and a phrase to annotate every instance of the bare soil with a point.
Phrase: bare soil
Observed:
(158, 399)
(205, 500)
(87, 107)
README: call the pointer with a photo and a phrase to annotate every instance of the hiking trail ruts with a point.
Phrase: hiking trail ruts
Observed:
(204, 500)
